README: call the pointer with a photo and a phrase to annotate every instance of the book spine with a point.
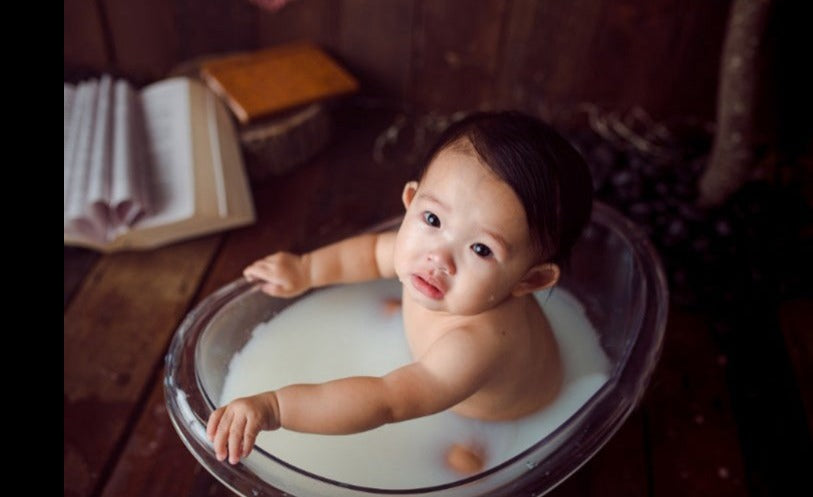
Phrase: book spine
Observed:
(218, 88)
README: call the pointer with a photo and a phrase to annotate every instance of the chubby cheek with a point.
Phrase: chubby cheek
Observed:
(475, 294)
(403, 252)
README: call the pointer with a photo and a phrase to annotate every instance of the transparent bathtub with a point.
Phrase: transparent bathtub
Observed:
(614, 272)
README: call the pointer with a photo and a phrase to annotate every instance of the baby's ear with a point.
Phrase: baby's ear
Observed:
(539, 277)
(409, 193)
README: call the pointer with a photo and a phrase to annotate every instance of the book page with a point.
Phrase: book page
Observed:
(236, 191)
(129, 198)
(97, 200)
(216, 153)
(76, 144)
(79, 180)
(71, 125)
(165, 107)
(70, 93)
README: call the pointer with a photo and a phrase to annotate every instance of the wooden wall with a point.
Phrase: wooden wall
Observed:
(442, 55)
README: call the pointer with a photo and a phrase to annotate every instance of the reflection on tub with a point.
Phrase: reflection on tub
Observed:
(349, 330)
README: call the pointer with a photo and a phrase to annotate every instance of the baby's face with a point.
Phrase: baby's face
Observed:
(464, 243)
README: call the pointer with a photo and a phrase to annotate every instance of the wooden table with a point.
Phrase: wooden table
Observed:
(690, 436)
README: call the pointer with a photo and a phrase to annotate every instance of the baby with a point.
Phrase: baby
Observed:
(498, 206)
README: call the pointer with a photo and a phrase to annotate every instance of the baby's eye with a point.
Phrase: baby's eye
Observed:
(481, 250)
(431, 219)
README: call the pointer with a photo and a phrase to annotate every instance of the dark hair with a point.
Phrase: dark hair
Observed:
(548, 175)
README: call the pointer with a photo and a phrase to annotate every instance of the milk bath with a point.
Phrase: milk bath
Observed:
(349, 330)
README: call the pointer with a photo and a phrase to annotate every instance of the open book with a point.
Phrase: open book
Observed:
(146, 168)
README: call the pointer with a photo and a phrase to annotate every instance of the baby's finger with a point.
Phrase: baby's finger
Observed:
(274, 289)
(253, 273)
(211, 426)
(266, 270)
(250, 436)
(236, 439)
(221, 435)
(261, 272)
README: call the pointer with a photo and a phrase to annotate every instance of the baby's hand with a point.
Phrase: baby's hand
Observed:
(283, 274)
(237, 424)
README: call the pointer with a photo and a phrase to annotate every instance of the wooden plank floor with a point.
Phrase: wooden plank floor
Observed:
(689, 436)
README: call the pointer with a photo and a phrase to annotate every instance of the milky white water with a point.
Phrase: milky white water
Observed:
(347, 331)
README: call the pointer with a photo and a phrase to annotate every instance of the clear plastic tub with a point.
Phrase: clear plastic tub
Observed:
(614, 272)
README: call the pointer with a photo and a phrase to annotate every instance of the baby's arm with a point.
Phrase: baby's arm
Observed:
(360, 258)
(437, 381)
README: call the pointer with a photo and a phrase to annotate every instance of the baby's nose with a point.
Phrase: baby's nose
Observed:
(442, 260)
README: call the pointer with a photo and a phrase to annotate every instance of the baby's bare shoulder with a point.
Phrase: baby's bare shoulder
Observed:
(466, 348)
(489, 329)
(514, 318)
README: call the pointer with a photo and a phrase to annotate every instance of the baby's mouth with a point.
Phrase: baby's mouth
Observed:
(427, 286)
